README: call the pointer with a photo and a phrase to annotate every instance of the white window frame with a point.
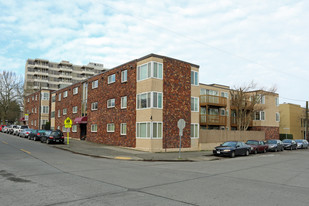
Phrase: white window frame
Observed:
(110, 127)
(123, 129)
(111, 79)
(149, 97)
(28, 99)
(75, 90)
(94, 106)
(64, 111)
(59, 97)
(35, 110)
(277, 101)
(34, 122)
(196, 131)
(31, 122)
(109, 103)
(277, 117)
(124, 99)
(36, 97)
(124, 76)
(150, 71)
(195, 104)
(260, 116)
(65, 94)
(59, 113)
(32, 98)
(45, 95)
(195, 78)
(95, 84)
(74, 128)
(58, 127)
(149, 134)
(94, 128)
(74, 109)
(225, 94)
(44, 108)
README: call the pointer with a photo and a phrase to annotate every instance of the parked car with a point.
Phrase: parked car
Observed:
(11, 130)
(232, 149)
(1, 127)
(4, 129)
(289, 144)
(53, 137)
(8, 128)
(302, 143)
(36, 134)
(25, 133)
(19, 128)
(274, 145)
(257, 146)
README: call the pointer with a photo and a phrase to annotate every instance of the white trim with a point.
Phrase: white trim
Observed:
(122, 81)
(194, 101)
(92, 106)
(110, 130)
(108, 79)
(75, 89)
(151, 130)
(73, 109)
(198, 131)
(151, 100)
(92, 128)
(126, 97)
(95, 84)
(114, 103)
(151, 70)
(194, 78)
(121, 125)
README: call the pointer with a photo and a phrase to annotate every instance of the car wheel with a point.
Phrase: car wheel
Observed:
(47, 141)
(264, 151)
(29, 137)
(34, 138)
(232, 154)
(247, 152)
(291, 148)
(255, 152)
(276, 149)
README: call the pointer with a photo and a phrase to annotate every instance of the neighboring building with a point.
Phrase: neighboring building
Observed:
(43, 74)
(292, 120)
(37, 109)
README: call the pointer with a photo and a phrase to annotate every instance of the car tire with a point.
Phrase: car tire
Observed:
(255, 152)
(29, 137)
(247, 153)
(34, 138)
(47, 141)
(264, 151)
(232, 154)
(276, 149)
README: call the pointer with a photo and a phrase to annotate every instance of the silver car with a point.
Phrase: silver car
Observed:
(302, 143)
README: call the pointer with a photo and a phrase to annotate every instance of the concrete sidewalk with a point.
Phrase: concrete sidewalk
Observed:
(112, 152)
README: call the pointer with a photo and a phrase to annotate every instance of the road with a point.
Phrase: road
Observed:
(32, 173)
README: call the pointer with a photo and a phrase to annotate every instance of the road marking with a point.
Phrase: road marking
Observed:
(123, 158)
(4, 142)
(25, 151)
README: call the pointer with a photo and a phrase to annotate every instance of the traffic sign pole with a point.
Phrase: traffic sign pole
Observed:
(180, 124)
(68, 125)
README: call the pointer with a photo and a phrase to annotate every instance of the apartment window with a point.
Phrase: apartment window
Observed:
(45, 96)
(65, 94)
(124, 102)
(28, 100)
(53, 98)
(74, 110)
(32, 98)
(36, 97)
(110, 103)
(209, 92)
(261, 99)
(45, 109)
(75, 90)
(149, 130)
(52, 115)
(260, 115)
(111, 79)
(150, 70)
(194, 78)
(123, 129)
(59, 97)
(64, 112)
(95, 84)
(149, 100)
(74, 128)
(59, 113)
(94, 106)
(124, 75)
(31, 122)
(225, 94)
(94, 128)
(58, 127)
(32, 110)
(194, 104)
(111, 127)
(194, 131)
(277, 101)
(277, 117)
(222, 112)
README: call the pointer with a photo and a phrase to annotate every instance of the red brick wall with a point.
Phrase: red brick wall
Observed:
(32, 104)
(69, 102)
(176, 102)
(116, 115)
(270, 132)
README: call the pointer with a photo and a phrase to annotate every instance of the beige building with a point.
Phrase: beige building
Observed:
(43, 74)
(292, 120)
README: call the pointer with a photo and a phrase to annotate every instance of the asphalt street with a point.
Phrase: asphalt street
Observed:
(32, 173)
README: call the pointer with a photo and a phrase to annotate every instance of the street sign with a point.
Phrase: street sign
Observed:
(26, 117)
(68, 123)
(181, 124)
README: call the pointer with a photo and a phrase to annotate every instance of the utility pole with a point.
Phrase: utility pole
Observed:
(306, 126)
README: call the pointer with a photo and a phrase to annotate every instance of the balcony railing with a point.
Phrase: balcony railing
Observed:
(206, 119)
(213, 100)
(233, 122)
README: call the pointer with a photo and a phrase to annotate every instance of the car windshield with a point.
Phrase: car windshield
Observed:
(229, 144)
(271, 142)
(24, 127)
(48, 132)
(252, 142)
(287, 141)
(299, 141)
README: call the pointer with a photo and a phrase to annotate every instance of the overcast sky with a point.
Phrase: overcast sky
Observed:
(234, 42)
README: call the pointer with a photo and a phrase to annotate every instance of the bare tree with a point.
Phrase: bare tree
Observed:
(11, 92)
(245, 101)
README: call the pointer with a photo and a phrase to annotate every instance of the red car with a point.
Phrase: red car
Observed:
(257, 146)
(1, 126)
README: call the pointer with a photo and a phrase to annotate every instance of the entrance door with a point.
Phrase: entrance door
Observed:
(83, 131)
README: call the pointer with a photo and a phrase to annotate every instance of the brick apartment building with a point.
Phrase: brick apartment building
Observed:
(139, 103)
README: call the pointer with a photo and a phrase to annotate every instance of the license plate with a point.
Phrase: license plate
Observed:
(57, 140)
(218, 152)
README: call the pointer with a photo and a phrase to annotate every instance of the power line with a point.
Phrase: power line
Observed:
(298, 100)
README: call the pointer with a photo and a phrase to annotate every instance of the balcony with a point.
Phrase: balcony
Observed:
(65, 69)
(206, 100)
(218, 120)
(233, 122)
(37, 65)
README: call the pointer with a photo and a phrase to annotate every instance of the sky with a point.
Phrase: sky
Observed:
(233, 42)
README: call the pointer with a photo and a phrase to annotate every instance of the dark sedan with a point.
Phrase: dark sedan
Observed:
(55, 136)
(232, 149)
(302, 143)
(274, 145)
(289, 144)
(257, 146)
(36, 134)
